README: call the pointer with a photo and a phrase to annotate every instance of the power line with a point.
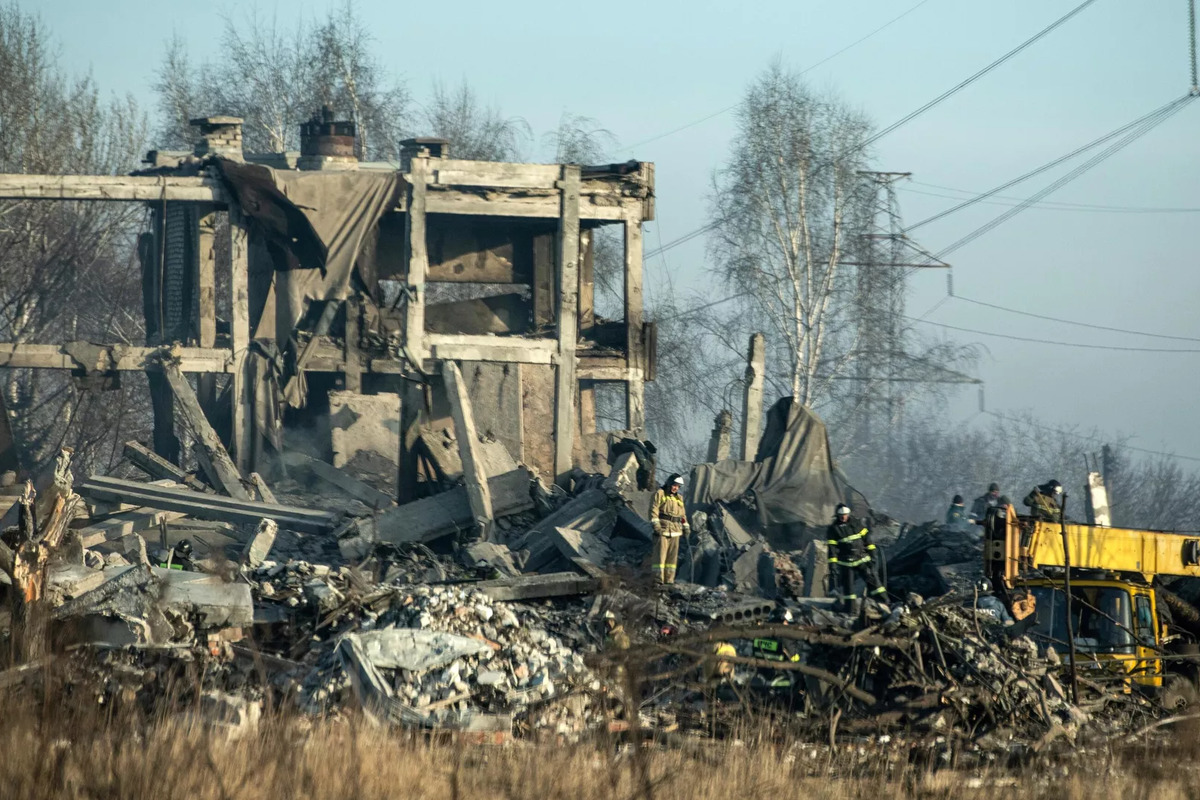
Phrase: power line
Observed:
(1133, 135)
(1126, 128)
(968, 81)
(804, 71)
(1073, 322)
(914, 114)
(1051, 205)
(1086, 438)
(1051, 342)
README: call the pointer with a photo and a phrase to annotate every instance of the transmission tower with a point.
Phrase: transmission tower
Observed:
(885, 259)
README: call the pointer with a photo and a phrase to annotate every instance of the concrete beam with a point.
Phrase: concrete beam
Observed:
(476, 479)
(752, 399)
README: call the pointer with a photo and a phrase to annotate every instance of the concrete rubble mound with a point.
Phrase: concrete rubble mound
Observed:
(542, 623)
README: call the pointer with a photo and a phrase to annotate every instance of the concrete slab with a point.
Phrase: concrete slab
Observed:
(364, 423)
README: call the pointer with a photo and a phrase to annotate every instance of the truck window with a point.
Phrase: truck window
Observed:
(1102, 615)
(1144, 619)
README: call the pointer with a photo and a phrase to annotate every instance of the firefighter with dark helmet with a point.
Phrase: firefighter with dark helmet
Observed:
(852, 555)
(1045, 501)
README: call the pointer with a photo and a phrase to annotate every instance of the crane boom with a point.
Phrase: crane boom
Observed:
(1015, 545)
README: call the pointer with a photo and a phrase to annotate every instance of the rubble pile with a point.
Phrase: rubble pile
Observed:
(322, 595)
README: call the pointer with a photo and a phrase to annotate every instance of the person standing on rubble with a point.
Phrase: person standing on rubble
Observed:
(956, 514)
(852, 555)
(669, 519)
(980, 507)
(1045, 501)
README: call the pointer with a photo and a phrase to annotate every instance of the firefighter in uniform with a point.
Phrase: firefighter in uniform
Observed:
(1045, 501)
(851, 556)
(669, 519)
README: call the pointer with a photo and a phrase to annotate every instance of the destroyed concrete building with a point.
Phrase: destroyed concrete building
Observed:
(306, 295)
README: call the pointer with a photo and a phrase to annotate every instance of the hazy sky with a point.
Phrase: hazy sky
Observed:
(645, 68)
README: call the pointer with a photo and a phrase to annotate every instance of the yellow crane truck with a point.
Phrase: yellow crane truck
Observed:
(1122, 618)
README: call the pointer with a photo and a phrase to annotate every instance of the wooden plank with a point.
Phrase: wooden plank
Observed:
(543, 280)
(115, 357)
(204, 296)
(602, 368)
(123, 524)
(352, 372)
(500, 204)
(566, 384)
(511, 349)
(206, 506)
(111, 187)
(243, 406)
(468, 449)
(261, 487)
(752, 397)
(224, 473)
(416, 250)
(156, 466)
(459, 172)
(587, 283)
(634, 353)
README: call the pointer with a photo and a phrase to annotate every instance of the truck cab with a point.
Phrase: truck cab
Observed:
(1120, 633)
(1117, 630)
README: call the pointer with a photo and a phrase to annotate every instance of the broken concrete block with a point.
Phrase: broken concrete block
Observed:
(212, 602)
(415, 650)
(490, 554)
(364, 423)
(745, 569)
(260, 544)
(631, 525)
(490, 677)
(534, 587)
(814, 565)
(738, 536)
(573, 544)
(235, 716)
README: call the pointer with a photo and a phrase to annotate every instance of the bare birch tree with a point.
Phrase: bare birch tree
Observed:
(785, 209)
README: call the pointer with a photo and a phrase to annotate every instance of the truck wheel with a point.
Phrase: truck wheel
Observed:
(1179, 693)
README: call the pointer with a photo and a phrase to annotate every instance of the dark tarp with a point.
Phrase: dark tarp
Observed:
(792, 479)
(321, 228)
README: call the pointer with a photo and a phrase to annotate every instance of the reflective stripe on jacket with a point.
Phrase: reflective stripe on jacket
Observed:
(667, 514)
(849, 543)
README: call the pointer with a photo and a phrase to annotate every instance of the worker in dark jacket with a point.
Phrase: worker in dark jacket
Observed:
(852, 555)
(980, 507)
(1045, 501)
(956, 514)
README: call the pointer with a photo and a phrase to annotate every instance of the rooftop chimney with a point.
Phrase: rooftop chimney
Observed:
(221, 136)
(326, 144)
(427, 146)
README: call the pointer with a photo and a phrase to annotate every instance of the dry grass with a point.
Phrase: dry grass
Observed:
(73, 751)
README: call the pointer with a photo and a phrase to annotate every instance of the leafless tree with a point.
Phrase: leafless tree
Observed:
(580, 140)
(350, 77)
(277, 77)
(475, 130)
(783, 208)
(67, 266)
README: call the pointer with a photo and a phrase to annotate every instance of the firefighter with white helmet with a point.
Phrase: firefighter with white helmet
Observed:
(852, 555)
(669, 519)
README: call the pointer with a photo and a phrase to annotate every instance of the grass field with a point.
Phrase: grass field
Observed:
(78, 749)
